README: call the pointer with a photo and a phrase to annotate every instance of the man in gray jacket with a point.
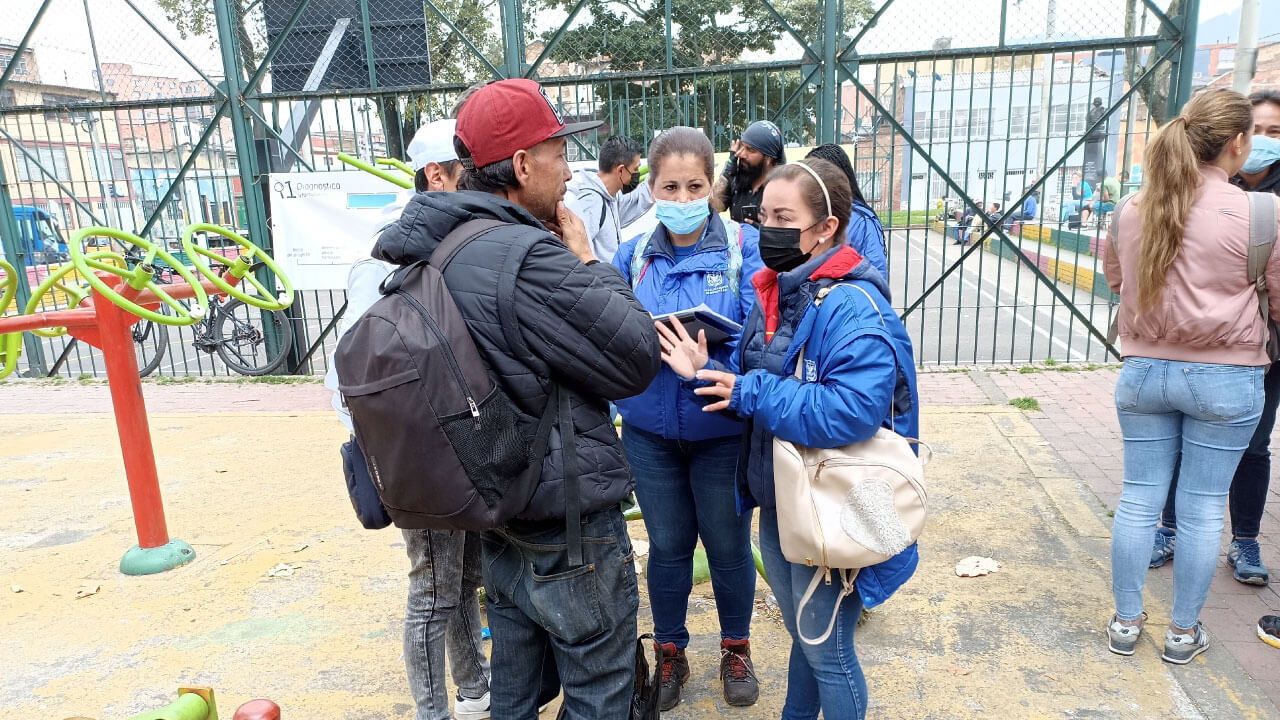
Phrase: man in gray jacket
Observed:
(610, 198)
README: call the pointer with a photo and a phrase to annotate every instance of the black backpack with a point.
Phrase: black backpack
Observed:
(443, 442)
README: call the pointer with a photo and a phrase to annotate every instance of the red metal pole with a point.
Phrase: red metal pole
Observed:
(131, 421)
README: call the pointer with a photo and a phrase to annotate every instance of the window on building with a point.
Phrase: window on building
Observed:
(60, 103)
(921, 126)
(1024, 122)
(7, 99)
(1079, 118)
(981, 123)
(53, 159)
(941, 124)
(1058, 117)
(938, 187)
(109, 165)
(961, 124)
(20, 70)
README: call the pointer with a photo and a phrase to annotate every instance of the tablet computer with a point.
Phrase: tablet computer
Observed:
(702, 318)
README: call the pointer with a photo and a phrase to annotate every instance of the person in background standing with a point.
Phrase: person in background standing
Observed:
(741, 185)
(865, 234)
(611, 197)
(1193, 342)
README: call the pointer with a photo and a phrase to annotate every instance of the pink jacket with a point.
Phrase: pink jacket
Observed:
(1209, 311)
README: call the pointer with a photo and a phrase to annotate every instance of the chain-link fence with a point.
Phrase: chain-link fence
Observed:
(150, 115)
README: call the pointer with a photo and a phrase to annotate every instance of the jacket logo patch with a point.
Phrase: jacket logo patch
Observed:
(716, 283)
(810, 371)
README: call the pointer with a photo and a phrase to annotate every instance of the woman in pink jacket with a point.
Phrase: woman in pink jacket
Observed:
(1193, 342)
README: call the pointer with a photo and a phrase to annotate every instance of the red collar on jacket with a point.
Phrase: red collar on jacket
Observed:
(766, 285)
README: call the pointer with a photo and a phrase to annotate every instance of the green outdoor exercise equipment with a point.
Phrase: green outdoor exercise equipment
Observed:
(76, 293)
(359, 164)
(10, 343)
(392, 162)
(240, 268)
(140, 277)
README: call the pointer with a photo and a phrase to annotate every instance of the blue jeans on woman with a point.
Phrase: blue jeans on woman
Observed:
(1207, 413)
(686, 490)
(824, 677)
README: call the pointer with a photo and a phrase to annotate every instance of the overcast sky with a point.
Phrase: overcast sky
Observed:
(63, 42)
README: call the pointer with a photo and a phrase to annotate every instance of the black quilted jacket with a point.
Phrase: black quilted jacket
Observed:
(538, 316)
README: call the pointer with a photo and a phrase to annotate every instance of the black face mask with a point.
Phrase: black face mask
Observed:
(632, 184)
(780, 248)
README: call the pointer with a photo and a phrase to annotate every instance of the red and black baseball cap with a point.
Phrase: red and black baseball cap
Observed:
(510, 115)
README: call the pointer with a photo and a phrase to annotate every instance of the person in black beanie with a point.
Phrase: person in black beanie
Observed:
(741, 185)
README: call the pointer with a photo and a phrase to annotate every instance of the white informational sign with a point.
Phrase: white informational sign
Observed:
(322, 222)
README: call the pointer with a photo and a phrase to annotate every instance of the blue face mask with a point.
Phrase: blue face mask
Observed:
(1266, 151)
(682, 218)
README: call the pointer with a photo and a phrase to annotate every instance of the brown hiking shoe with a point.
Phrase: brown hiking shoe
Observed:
(675, 673)
(738, 674)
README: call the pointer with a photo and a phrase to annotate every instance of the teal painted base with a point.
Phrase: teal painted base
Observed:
(149, 561)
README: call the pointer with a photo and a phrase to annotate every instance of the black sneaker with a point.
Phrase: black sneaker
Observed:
(675, 673)
(1269, 630)
(738, 674)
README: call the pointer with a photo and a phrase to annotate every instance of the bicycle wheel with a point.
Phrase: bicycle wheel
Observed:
(242, 341)
(150, 342)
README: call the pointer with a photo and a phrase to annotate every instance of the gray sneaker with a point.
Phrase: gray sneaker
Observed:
(1179, 649)
(1121, 638)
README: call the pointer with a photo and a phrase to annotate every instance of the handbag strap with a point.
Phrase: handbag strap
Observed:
(847, 576)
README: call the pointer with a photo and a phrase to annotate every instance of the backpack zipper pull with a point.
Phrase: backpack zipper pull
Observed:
(475, 411)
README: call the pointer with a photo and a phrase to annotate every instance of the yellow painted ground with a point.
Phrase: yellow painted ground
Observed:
(252, 490)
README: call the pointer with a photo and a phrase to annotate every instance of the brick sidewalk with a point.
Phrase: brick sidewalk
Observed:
(1077, 417)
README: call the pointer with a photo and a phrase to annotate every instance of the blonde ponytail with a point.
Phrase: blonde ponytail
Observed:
(1197, 136)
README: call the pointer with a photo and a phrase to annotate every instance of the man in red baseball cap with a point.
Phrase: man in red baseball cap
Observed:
(561, 333)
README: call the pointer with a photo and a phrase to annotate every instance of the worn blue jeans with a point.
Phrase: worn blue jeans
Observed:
(443, 612)
(686, 491)
(585, 615)
(1207, 413)
(826, 677)
(1248, 498)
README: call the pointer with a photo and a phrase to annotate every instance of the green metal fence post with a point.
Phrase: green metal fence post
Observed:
(827, 116)
(11, 238)
(241, 129)
(512, 39)
(1180, 92)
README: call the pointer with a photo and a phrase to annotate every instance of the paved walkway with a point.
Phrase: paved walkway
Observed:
(250, 477)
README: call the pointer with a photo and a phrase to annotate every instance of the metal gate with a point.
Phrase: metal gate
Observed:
(149, 115)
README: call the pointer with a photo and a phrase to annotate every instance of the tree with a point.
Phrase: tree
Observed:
(630, 35)
(195, 18)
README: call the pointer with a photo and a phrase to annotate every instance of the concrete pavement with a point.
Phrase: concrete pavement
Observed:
(251, 479)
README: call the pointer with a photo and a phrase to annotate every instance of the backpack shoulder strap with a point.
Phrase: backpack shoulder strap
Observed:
(1115, 223)
(733, 231)
(1262, 239)
(458, 238)
(443, 254)
(639, 266)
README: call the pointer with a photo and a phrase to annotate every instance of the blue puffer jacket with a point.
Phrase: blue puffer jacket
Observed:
(669, 408)
(866, 235)
(858, 369)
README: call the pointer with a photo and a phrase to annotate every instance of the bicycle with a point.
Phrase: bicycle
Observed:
(233, 330)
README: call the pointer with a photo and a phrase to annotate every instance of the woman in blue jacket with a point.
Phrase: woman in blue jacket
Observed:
(858, 376)
(864, 233)
(683, 458)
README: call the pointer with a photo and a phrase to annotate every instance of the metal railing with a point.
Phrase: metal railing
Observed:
(992, 104)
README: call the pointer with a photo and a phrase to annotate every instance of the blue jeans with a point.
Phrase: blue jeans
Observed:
(824, 677)
(585, 615)
(687, 490)
(1206, 413)
(1252, 480)
(443, 612)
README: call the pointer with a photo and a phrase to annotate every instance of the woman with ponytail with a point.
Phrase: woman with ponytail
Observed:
(1193, 339)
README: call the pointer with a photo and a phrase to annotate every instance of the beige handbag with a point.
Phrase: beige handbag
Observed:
(850, 507)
